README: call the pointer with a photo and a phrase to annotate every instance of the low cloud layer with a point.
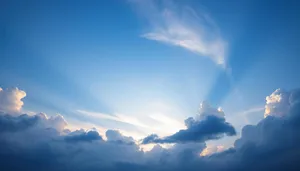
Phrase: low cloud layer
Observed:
(40, 142)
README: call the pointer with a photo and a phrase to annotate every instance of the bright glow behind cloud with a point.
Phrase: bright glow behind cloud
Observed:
(209, 150)
(11, 100)
(183, 27)
(164, 124)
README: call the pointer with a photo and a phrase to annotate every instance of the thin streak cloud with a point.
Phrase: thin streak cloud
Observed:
(118, 117)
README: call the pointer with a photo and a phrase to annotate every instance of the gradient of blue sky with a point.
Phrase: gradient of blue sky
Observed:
(91, 56)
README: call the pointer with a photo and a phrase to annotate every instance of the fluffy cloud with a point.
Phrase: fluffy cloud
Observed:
(274, 139)
(209, 124)
(57, 122)
(42, 143)
(277, 104)
(11, 100)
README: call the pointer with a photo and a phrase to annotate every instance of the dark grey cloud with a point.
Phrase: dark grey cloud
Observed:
(83, 136)
(11, 123)
(212, 127)
(209, 124)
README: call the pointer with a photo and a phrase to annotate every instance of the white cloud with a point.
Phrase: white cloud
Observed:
(57, 122)
(277, 104)
(184, 27)
(11, 100)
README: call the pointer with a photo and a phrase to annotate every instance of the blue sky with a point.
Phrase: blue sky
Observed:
(129, 62)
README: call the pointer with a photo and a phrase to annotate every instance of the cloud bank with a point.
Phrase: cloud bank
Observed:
(40, 142)
(182, 26)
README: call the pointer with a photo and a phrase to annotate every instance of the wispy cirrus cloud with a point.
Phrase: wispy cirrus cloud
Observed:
(184, 27)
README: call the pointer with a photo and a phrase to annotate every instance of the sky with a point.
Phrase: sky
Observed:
(142, 68)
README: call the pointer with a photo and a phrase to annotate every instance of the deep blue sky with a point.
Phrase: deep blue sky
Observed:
(91, 56)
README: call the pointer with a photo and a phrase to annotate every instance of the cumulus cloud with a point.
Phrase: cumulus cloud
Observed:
(184, 27)
(11, 100)
(277, 104)
(209, 124)
(58, 122)
(275, 138)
